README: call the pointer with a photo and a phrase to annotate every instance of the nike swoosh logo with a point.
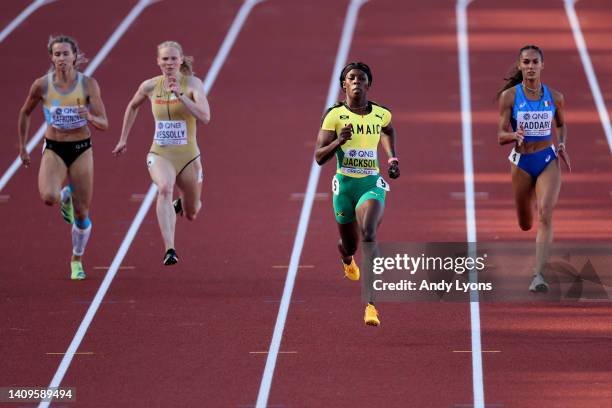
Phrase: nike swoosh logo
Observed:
(522, 105)
(547, 158)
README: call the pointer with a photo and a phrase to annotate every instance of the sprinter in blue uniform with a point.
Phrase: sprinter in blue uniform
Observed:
(528, 112)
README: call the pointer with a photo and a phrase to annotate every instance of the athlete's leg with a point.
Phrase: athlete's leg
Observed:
(523, 187)
(81, 176)
(189, 181)
(547, 189)
(51, 175)
(163, 175)
(349, 241)
(369, 216)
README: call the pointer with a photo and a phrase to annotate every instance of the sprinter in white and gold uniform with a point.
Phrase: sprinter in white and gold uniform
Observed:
(70, 101)
(351, 130)
(178, 102)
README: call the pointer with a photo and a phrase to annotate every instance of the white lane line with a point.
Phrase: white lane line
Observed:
(470, 210)
(142, 212)
(25, 13)
(570, 10)
(106, 48)
(313, 179)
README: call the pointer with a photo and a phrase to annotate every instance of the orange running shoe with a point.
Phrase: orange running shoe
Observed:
(351, 271)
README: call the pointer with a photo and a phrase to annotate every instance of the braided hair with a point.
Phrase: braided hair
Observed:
(355, 65)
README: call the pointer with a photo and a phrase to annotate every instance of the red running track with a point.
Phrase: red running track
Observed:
(186, 336)
(552, 355)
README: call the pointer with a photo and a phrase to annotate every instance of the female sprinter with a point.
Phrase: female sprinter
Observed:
(528, 111)
(351, 130)
(70, 101)
(178, 101)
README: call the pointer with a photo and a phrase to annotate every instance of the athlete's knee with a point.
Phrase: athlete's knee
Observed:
(165, 189)
(192, 213)
(369, 235)
(545, 215)
(525, 225)
(50, 198)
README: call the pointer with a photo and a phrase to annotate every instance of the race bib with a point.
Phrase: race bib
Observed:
(381, 183)
(514, 157)
(335, 186)
(537, 123)
(359, 161)
(65, 117)
(170, 132)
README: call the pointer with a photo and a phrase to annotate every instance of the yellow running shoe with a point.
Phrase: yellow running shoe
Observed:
(351, 271)
(371, 316)
(77, 270)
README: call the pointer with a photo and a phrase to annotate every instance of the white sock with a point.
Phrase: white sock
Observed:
(79, 239)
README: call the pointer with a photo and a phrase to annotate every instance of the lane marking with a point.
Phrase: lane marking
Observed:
(482, 351)
(286, 266)
(108, 267)
(91, 68)
(25, 13)
(470, 206)
(570, 10)
(82, 353)
(266, 352)
(137, 197)
(300, 235)
(221, 56)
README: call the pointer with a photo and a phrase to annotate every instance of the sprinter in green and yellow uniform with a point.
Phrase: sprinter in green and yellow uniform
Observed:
(351, 130)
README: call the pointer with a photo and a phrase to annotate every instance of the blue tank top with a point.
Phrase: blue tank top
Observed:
(535, 117)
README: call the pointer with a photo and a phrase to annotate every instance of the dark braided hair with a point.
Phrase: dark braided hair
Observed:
(515, 75)
(355, 65)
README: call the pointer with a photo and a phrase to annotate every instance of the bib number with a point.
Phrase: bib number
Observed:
(335, 186)
(170, 132)
(381, 183)
(514, 157)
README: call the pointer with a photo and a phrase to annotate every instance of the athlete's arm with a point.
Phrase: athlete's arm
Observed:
(23, 125)
(561, 128)
(198, 106)
(387, 138)
(327, 143)
(131, 111)
(504, 133)
(96, 114)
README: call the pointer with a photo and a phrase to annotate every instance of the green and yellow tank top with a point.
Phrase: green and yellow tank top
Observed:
(61, 108)
(174, 123)
(358, 157)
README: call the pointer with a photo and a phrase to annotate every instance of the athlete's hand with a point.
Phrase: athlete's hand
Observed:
(345, 134)
(394, 170)
(82, 110)
(24, 156)
(564, 157)
(173, 86)
(120, 149)
(519, 135)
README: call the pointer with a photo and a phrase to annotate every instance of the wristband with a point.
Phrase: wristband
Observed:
(392, 159)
